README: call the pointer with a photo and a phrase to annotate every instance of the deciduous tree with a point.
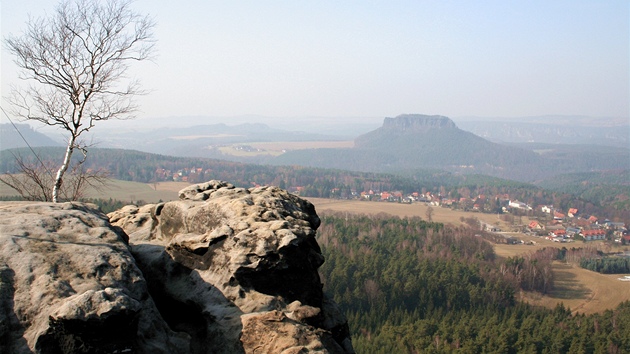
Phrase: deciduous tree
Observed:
(76, 62)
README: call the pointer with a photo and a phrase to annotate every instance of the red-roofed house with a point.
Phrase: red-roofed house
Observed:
(592, 219)
(572, 212)
(591, 235)
(558, 233)
(535, 225)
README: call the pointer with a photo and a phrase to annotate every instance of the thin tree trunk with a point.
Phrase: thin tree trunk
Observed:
(63, 169)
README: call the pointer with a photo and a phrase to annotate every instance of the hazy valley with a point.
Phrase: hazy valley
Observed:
(426, 232)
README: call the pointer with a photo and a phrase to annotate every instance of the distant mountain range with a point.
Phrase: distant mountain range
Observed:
(551, 130)
(10, 137)
(403, 145)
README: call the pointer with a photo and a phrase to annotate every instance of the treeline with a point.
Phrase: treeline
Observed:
(607, 265)
(531, 272)
(411, 286)
(593, 259)
(517, 329)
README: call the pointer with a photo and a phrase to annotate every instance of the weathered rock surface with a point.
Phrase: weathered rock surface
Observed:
(222, 270)
(236, 269)
(69, 284)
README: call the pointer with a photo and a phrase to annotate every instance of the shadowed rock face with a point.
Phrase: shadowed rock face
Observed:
(241, 263)
(69, 284)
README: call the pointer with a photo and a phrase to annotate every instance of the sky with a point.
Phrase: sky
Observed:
(375, 58)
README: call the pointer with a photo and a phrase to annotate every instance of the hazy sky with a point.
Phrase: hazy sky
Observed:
(377, 58)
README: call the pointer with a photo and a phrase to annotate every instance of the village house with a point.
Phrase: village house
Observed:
(614, 225)
(558, 233)
(592, 235)
(518, 205)
(572, 212)
(547, 209)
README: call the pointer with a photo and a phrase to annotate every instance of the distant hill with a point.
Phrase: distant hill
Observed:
(10, 138)
(412, 141)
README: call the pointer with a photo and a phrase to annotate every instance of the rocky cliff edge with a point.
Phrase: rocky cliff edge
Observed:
(222, 270)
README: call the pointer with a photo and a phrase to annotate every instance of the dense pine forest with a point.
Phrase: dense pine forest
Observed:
(411, 286)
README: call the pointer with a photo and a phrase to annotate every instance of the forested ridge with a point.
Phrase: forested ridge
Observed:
(144, 167)
(411, 286)
(603, 187)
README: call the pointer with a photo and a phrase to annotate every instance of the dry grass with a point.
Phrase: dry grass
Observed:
(582, 290)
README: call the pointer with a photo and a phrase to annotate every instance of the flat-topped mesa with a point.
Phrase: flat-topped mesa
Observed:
(412, 122)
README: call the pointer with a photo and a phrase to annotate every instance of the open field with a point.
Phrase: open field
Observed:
(276, 148)
(443, 215)
(301, 145)
(581, 290)
(127, 191)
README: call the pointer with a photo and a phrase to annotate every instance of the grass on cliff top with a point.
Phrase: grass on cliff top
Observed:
(126, 191)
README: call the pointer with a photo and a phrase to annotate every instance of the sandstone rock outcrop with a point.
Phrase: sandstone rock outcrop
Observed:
(69, 284)
(236, 269)
(222, 270)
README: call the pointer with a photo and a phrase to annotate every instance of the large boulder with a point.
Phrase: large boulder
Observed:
(69, 284)
(236, 269)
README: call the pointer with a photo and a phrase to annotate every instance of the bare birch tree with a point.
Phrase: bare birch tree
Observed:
(76, 63)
